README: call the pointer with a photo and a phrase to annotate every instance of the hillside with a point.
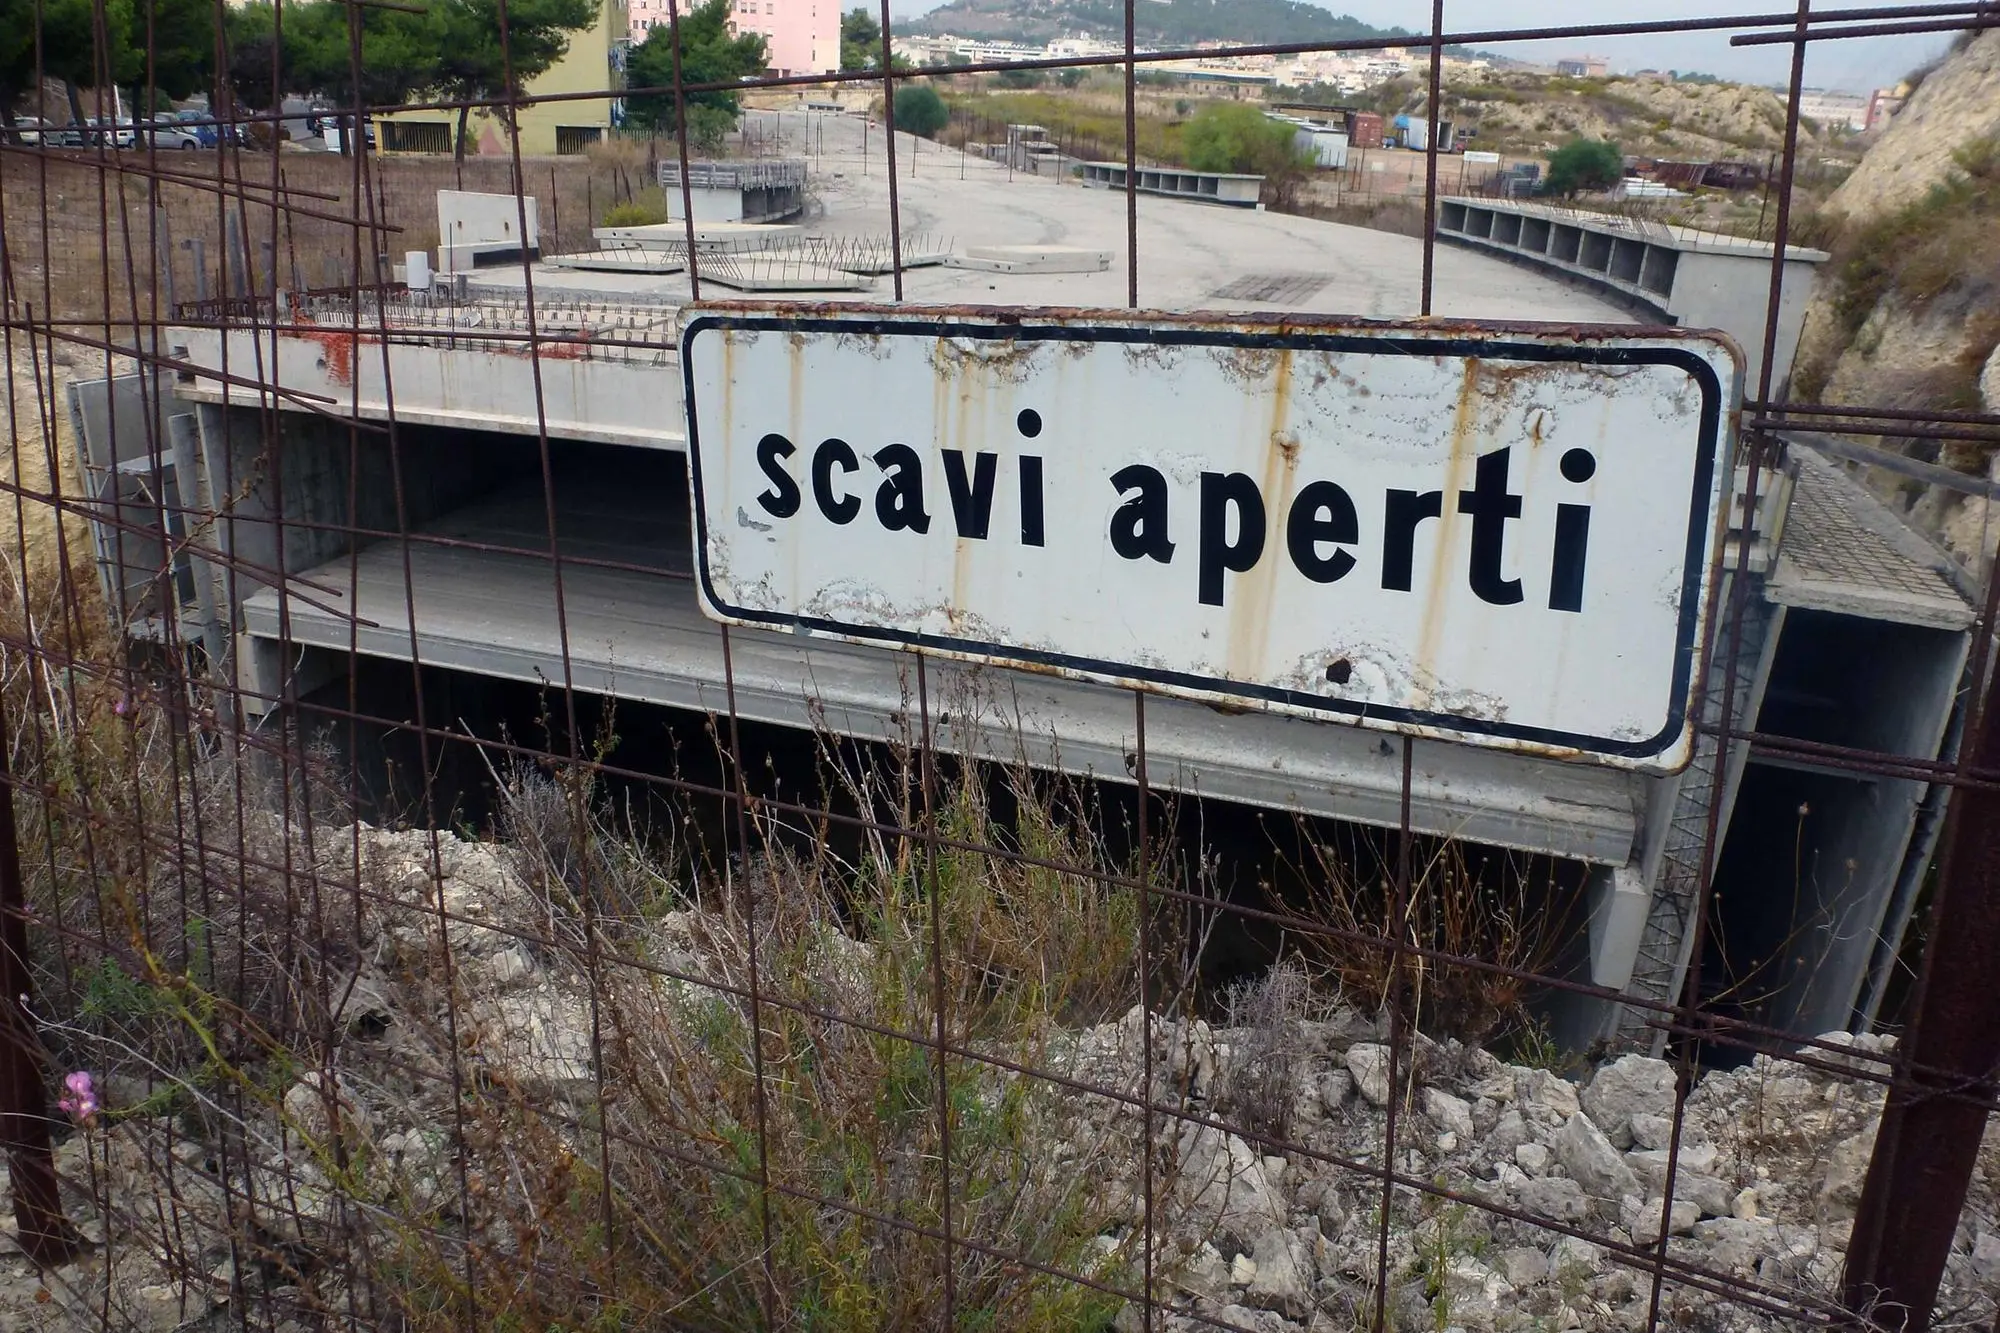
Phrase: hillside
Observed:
(1907, 314)
(1161, 23)
(1532, 113)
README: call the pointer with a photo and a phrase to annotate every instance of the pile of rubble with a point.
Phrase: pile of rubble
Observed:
(1770, 1161)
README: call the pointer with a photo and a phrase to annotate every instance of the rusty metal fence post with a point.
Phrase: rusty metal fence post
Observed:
(44, 1232)
(1935, 1115)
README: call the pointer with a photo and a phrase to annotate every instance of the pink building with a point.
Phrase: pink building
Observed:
(803, 36)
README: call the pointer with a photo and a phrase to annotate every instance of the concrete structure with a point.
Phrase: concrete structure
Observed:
(1674, 275)
(1834, 110)
(595, 60)
(1208, 187)
(1853, 636)
(479, 229)
(1031, 259)
(802, 36)
(758, 191)
(1324, 142)
(1583, 67)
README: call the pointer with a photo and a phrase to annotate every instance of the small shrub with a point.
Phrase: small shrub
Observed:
(919, 110)
(646, 211)
(1584, 164)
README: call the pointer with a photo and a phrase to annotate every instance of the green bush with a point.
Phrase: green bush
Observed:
(1230, 136)
(919, 110)
(644, 211)
(1585, 164)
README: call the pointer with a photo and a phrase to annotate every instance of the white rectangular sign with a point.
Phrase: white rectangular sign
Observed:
(1499, 535)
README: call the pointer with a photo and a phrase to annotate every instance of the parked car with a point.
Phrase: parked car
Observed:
(30, 129)
(206, 132)
(112, 133)
(167, 134)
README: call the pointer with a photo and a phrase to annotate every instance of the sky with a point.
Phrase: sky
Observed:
(1853, 64)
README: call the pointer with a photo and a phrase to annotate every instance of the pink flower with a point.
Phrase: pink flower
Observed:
(82, 1100)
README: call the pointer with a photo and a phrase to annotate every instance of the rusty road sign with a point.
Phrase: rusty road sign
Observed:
(1499, 535)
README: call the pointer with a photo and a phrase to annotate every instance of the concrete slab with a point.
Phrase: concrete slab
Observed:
(1031, 259)
(1187, 253)
(620, 261)
(716, 237)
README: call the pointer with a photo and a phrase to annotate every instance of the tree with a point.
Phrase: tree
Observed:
(473, 65)
(1584, 164)
(1230, 136)
(709, 54)
(919, 110)
(70, 50)
(860, 40)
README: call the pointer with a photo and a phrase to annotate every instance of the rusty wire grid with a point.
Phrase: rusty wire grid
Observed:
(590, 1016)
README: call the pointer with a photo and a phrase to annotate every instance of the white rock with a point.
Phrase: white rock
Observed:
(1532, 1158)
(1986, 1258)
(1369, 1064)
(1242, 1271)
(1642, 1218)
(1283, 1274)
(1509, 1133)
(1574, 1258)
(1628, 1086)
(1744, 1205)
(1334, 1085)
(1551, 1098)
(511, 965)
(1447, 1143)
(1847, 1169)
(1221, 1185)
(1591, 1160)
(308, 1102)
(1734, 1244)
(1206, 1272)
(1654, 1131)
(1523, 1266)
(1450, 1114)
(1553, 1197)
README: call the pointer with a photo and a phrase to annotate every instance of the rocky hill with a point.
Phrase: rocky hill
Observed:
(1649, 117)
(1908, 312)
(1160, 23)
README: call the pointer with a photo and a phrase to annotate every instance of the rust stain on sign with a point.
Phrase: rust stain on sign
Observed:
(1444, 529)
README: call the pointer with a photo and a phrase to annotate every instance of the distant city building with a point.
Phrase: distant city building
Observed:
(1830, 109)
(1882, 104)
(1583, 67)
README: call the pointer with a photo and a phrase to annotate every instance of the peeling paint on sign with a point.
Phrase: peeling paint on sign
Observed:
(1492, 534)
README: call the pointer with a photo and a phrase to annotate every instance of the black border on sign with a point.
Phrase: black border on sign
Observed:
(1419, 343)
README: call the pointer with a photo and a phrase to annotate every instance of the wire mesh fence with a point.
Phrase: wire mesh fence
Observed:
(419, 916)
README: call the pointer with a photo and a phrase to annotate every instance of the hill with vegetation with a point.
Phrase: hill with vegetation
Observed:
(1682, 119)
(1163, 23)
(1907, 312)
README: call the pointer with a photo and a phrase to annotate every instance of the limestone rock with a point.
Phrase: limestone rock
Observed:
(1451, 1114)
(1591, 1160)
(1847, 1169)
(1554, 1197)
(1628, 1086)
(1369, 1064)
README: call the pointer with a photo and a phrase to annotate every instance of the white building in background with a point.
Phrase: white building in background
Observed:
(1832, 109)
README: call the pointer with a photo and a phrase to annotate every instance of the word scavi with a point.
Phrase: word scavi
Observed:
(1321, 531)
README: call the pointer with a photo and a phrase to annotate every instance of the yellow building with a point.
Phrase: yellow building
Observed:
(595, 60)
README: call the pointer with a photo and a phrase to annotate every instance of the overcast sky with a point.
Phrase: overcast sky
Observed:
(1854, 63)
